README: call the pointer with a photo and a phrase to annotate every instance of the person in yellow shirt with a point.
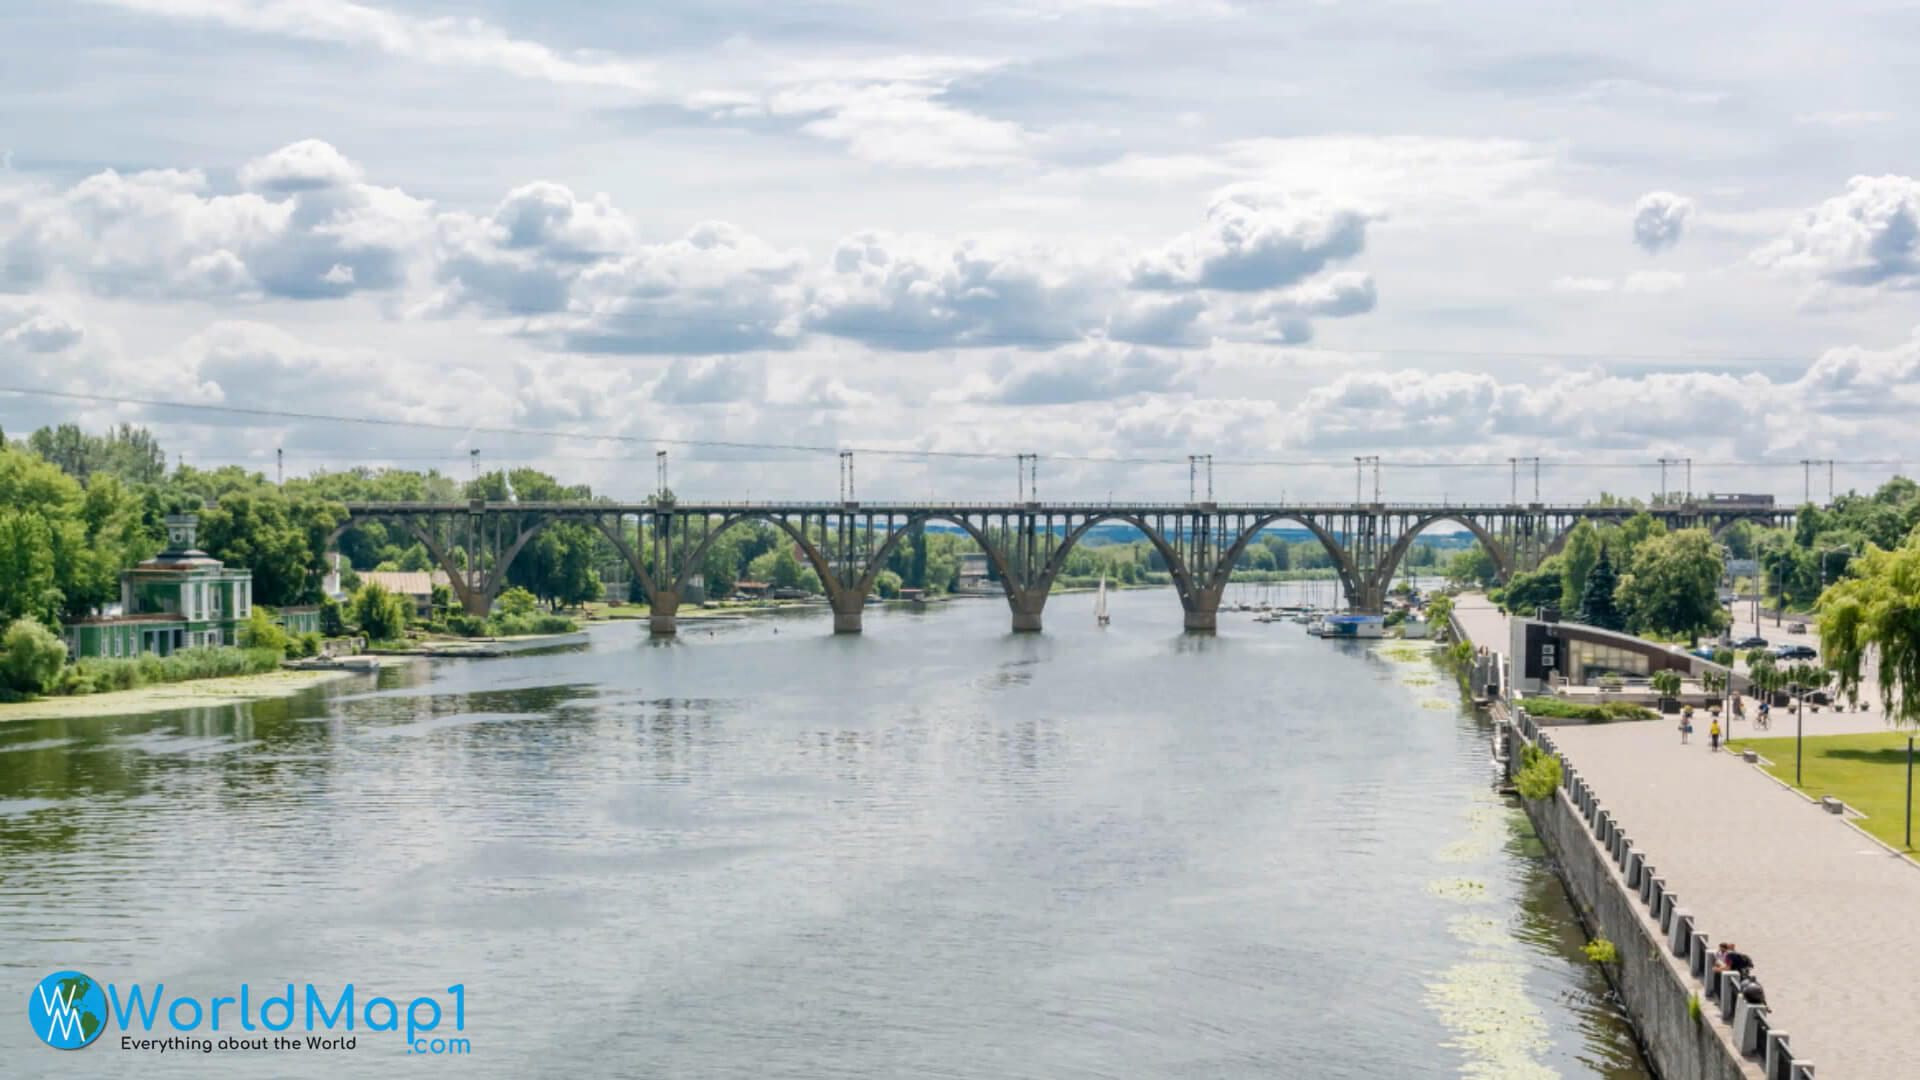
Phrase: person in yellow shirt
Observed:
(1713, 734)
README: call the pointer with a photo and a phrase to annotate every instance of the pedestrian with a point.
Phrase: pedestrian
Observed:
(1686, 726)
(1713, 734)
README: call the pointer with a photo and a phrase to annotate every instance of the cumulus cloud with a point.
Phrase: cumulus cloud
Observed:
(31, 327)
(914, 293)
(1659, 219)
(900, 123)
(309, 229)
(1255, 239)
(1868, 236)
(1857, 380)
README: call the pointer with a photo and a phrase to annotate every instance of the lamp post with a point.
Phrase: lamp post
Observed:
(1909, 793)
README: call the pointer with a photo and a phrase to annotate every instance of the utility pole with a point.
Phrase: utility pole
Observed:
(1033, 477)
(1209, 477)
(846, 476)
(1536, 479)
(1664, 462)
(1513, 491)
(1806, 481)
(473, 455)
(1193, 466)
(1689, 480)
(1358, 462)
(1829, 482)
(279, 467)
(660, 467)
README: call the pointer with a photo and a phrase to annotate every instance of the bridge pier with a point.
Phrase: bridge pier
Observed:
(663, 614)
(1026, 605)
(846, 614)
(1203, 609)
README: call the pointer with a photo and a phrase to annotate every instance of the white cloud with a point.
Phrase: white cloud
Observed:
(1659, 218)
(913, 293)
(1869, 236)
(312, 231)
(449, 42)
(1654, 281)
(1857, 380)
(1582, 284)
(1255, 239)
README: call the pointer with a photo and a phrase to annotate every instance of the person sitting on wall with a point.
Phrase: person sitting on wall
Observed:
(1736, 961)
(1720, 952)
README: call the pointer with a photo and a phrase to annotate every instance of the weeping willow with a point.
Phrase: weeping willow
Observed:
(1877, 610)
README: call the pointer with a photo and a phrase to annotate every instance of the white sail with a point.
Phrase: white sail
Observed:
(1100, 600)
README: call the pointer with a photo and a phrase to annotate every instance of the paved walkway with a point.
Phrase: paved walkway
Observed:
(1827, 914)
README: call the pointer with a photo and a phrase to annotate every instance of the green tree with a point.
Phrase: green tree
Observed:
(1577, 560)
(31, 656)
(262, 632)
(1673, 587)
(379, 614)
(516, 601)
(1538, 589)
(1597, 607)
(333, 622)
(887, 584)
(1474, 566)
(1877, 610)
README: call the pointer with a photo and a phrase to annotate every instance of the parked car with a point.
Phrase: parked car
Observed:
(1751, 643)
(1702, 653)
(1797, 652)
(1796, 628)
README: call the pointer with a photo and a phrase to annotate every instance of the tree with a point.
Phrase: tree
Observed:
(887, 584)
(333, 622)
(1474, 566)
(1673, 587)
(1539, 589)
(516, 601)
(1597, 606)
(262, 632)
(31, 656)
(1877, 610)
(379, 614)
(1577, 561)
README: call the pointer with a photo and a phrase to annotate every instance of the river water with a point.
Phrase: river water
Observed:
(937, 849)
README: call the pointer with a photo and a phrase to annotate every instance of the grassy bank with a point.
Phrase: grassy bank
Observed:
(197, 693)
(1867, 771)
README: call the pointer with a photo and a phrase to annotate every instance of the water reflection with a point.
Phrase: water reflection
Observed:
(935, 849)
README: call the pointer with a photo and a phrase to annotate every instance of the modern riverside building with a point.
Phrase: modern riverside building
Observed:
(182, 598)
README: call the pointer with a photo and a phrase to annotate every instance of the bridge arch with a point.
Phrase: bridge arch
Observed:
(476, 597)
(1342, 559)
(1503, 560)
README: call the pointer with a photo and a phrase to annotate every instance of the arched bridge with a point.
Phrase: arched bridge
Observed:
(847, 543)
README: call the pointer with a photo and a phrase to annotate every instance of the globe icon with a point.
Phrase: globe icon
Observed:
(67, 1010)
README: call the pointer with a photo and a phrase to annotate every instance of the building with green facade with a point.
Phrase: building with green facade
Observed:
(182, 598)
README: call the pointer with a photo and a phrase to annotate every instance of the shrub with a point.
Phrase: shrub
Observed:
(310, 643)
(516, 601)
(1600, 713)
(1665, 683)
(1539, 773)
(31, 656)
(1602, 951)
(1693, 1007)
(262, 632)
(332, 622)
(519, 625)
(379, 614)
(466, 625)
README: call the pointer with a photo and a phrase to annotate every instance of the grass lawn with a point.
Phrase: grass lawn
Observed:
(1868, 772)
(616, 610)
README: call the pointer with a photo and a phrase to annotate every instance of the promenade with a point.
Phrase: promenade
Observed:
(1825, 912)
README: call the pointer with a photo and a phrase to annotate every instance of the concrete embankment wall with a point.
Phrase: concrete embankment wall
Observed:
(1663, 958)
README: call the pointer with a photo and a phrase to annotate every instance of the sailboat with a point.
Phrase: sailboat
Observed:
(1100, 603)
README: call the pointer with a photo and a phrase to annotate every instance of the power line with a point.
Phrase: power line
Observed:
(810, 448)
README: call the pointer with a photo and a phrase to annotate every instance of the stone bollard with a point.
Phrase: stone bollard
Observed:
(1669, 907)
(1750, 756)
(1779, 1055)
(1801, 1070)
(1729, 995)
(1700, 957)
(1746, 1026)
(1681, 939)
(1634, 862)
(1646, 884)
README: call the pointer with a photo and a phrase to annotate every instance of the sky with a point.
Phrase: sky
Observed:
(1113, 233)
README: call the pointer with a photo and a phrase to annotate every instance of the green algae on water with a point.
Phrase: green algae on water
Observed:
(1463, 889)
(1484, 1004)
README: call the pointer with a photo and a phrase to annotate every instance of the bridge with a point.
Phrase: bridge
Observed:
(847, 543)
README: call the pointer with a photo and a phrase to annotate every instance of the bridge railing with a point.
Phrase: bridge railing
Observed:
(870, 505)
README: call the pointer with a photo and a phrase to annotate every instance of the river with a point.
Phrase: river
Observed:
(937, 849)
